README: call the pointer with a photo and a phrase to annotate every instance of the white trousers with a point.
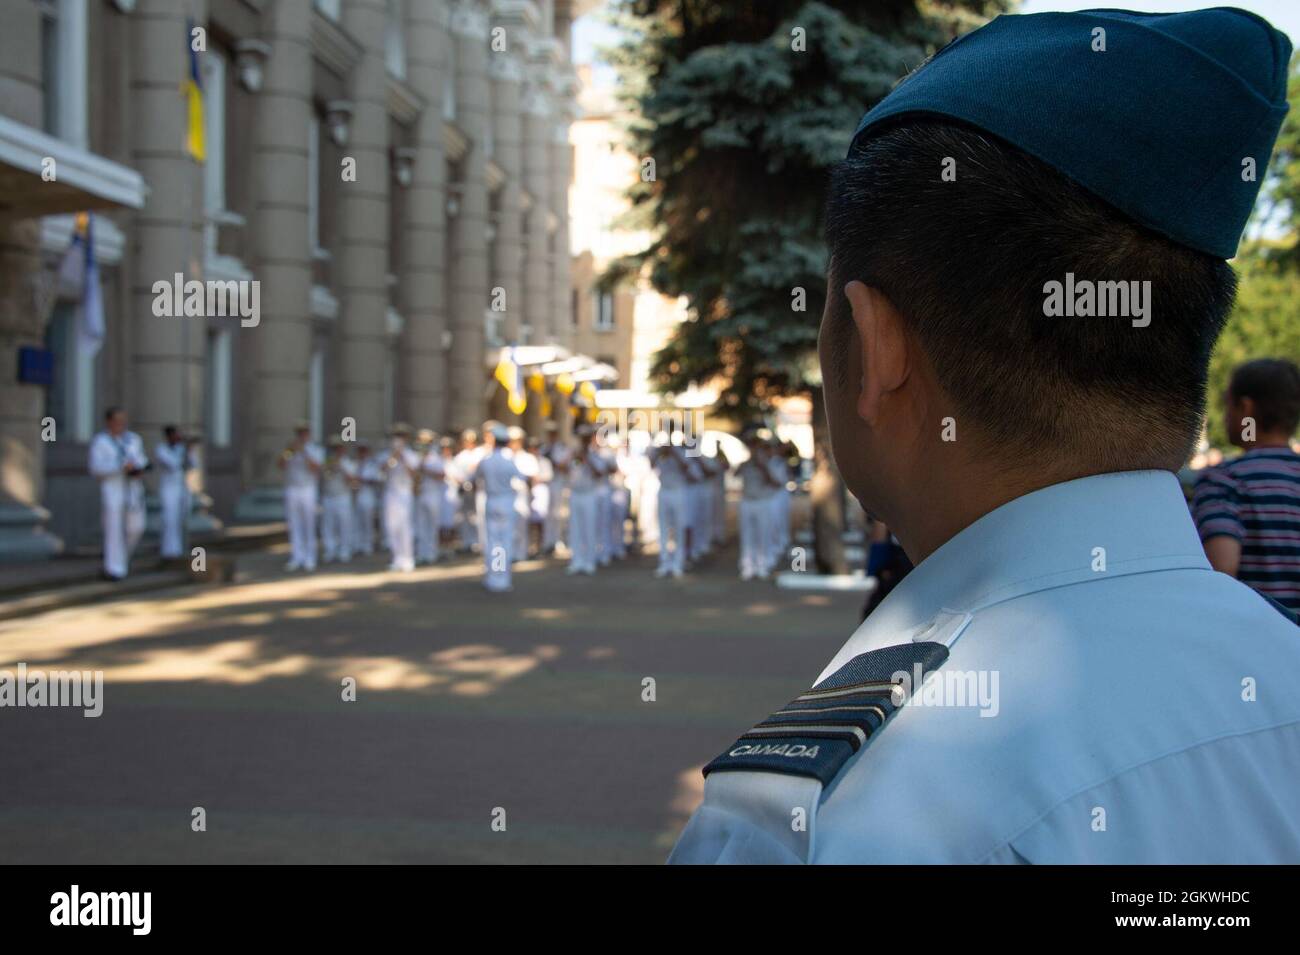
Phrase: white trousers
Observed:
(673, 506)
(428, 509)
(701, 531)
(122, 525)
(755, 537)
(552, 534)
(519, 551)
(498, 541)
(399, 531)
(300, 513)
(363, 522)
(582, 530)
(618, 503)
(173, 501)
(336, 533)
(604, 518)
(779, 526)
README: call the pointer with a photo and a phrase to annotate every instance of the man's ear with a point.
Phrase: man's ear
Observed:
(885, 360)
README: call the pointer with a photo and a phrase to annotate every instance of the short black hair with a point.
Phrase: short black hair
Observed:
(1274, 385)
(111, 411)
(965, 261)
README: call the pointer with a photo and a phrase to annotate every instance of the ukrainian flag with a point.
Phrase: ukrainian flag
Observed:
(192, 88)
(512, 380)
(537, 385)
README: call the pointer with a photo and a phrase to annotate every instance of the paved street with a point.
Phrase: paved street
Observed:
(229, 698)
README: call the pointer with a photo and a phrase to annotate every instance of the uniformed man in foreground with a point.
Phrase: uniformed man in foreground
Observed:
(1080, 685)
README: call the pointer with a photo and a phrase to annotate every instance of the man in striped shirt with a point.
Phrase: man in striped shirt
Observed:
(1248, 509)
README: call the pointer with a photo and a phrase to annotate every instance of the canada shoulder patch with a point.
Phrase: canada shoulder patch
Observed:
(817, 732)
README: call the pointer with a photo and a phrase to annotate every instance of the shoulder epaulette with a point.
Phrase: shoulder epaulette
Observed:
(817, 732)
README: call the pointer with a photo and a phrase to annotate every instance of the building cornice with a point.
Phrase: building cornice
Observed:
(454, 142)
(333, 45)
(404, 104)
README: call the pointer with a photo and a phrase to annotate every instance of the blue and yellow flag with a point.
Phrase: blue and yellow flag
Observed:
(192, 88)
(537, 385)
(512, 380)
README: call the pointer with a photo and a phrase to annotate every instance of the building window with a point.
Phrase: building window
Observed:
(220, 387)
(329, 8)
(316, 392)
(573, 306)
(602, 319)
(64, 58)
(449, 95)
(313, 184)
(395, 40)
(214, 169)
(70, 398)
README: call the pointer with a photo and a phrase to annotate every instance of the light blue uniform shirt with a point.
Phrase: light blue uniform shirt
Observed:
(1142, 707)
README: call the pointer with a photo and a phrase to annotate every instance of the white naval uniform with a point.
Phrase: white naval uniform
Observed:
(561, 458)
(300, 496)
(529, 469)
(173, 462)
(497, 474)
(619, 504)
(756, 515)
(779, 520)
(698, 509)
(336, 533)
(1146, 706)
(584, 502)
(466, 461)
(604, 508)
(399, 502)
(670, 464)
(428, 507)
(450, 500)
(121, 498)
(365, 503)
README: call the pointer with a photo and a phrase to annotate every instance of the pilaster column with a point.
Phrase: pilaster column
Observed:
(561, 170)
(468, 233)
(507, 122)
(536, 175)
(167, 352)
(424, 374)
(363, 234)
(22, 453)
(278, 355)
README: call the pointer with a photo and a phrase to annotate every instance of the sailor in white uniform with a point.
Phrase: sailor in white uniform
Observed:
(539, 498)
(366, 501)
(400, 466)
(1063, 677)
(466, 460)
(526, 465)
(757, 488)
(428, 504)
(452, 480)
(560, 455)
(175, 459)
(669, 461)
(497, 476)
(118, 460)
(338, 478)
(301, 463)
(586, 471)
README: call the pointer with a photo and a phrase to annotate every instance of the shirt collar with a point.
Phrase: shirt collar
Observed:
(1047, 538)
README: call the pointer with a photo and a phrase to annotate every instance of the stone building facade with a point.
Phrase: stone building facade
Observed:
(392, 174)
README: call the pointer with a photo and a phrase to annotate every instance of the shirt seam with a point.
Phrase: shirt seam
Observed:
(1007, 842)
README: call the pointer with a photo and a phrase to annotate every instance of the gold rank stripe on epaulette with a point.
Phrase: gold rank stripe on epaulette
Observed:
(817, 732)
